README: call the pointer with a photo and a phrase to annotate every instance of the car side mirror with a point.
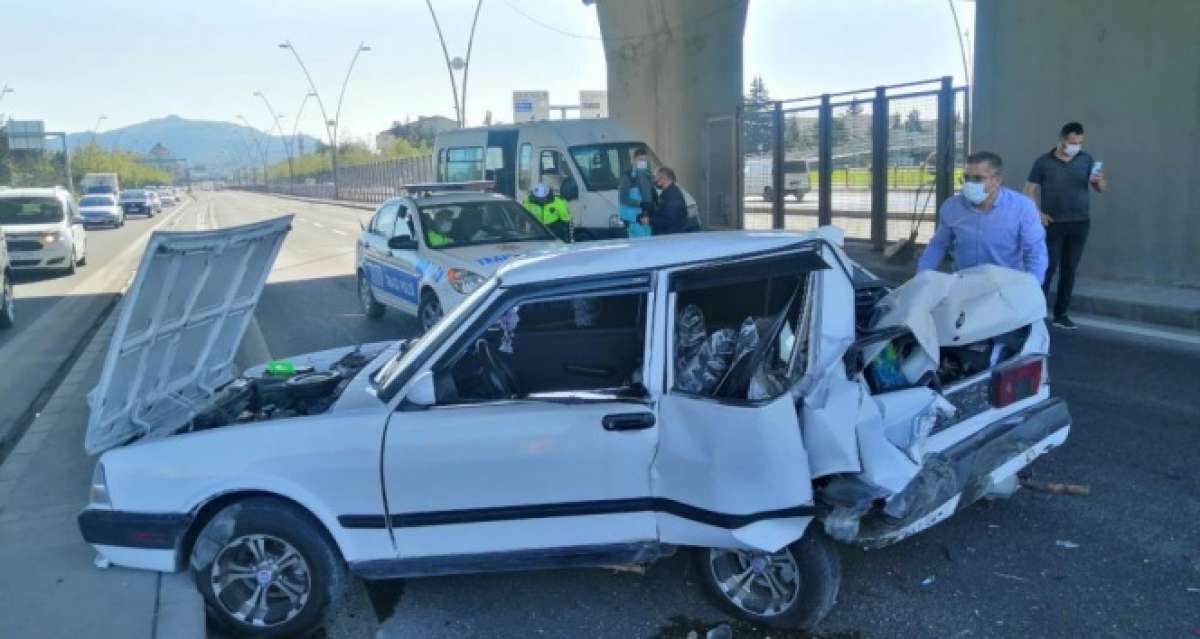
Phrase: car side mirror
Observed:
(402, 243)
(569, 189)
(421, 392)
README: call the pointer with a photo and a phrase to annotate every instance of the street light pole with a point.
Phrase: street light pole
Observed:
(296, 125)
(5, 90)
(457, 63)
(330, 125)
(287, 146)
(94, 128)
(262, 152)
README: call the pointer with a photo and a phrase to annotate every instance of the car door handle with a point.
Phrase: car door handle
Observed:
(628, 421)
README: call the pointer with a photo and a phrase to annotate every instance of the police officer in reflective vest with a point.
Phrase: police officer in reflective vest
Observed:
(550, 209)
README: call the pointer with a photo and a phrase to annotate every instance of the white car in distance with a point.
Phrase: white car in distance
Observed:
(43, 229)
(745, 397)
(101, 209)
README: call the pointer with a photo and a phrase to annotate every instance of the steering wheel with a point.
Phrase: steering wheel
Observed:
(494, 371)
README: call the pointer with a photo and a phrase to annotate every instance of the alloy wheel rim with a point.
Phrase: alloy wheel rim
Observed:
(364, 294)
(261, 580)
(760, 583)
(433, 313)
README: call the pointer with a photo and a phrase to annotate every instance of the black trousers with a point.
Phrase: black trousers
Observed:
(1064, 243)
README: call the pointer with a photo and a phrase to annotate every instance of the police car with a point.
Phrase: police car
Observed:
(422, 253)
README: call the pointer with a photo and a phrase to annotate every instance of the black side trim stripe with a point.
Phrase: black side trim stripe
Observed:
(576, 509)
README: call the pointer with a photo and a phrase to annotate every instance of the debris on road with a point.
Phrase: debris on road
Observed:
(722, 631)
(928, 580)
(1055, 488)
(1063, 543)
(1008, 576)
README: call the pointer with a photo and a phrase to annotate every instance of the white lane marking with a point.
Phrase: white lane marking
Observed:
(1181, 336)
(340, 232)
(318, 225)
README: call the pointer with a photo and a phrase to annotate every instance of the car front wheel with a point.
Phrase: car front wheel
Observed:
(266, 569)
(371, 307)
(8, 312)
(429, 311)
(792, 588)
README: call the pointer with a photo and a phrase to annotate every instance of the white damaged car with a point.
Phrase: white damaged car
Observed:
(747, 397)
(423, 254)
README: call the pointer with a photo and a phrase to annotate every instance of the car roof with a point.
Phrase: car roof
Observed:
(610, 257)
(48, 191)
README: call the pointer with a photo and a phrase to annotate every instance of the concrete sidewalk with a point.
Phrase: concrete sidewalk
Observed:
(49, 586)
(1172, 307)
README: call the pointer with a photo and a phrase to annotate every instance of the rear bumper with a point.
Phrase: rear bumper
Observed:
(133, 531)
(972, 468)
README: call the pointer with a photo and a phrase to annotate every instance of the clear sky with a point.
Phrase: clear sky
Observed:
(71, 60)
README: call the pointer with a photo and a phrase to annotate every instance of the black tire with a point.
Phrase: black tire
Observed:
(229, 538)
(83, 260)
(800, 195)
(819, 575)
(429, 309)
(371, 307)
(8, 311)
(768, 193)
(71, 264)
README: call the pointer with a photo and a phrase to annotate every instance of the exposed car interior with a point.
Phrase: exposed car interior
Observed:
(560, 346)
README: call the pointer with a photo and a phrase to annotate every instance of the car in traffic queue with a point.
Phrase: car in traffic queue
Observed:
(101, 209)
(43, 229)
(423, 254)
(155, 201)
(748, 398)
(138, 202)
(8, 310)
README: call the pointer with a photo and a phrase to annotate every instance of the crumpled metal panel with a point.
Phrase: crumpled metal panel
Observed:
(179, 328)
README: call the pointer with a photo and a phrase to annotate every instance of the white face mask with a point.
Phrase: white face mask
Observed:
(643, 165)
(443, 227)
(1072, 149)
(975, 192)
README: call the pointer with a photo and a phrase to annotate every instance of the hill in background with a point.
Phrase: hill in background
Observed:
(219, 146)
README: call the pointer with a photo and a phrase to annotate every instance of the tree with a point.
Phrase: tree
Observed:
(913, 123)
(758, 130)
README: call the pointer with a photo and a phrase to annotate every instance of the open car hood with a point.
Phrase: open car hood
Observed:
(179, 328)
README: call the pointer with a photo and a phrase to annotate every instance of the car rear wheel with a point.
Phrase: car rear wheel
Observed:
(792, 588)
(429, 311)
(371, 307)
(8, 312)
(266, 569)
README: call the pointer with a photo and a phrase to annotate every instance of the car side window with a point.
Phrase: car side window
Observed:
(385, 219)
(552, 349)
(404, 223)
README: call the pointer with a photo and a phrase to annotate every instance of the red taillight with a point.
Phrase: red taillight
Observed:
(1014, 382)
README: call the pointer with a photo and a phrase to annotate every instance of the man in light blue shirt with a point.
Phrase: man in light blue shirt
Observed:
(988, 224)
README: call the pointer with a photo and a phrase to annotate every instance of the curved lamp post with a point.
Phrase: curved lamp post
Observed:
(331, 126)
(287, 146)
(257, 145)
(457, 64)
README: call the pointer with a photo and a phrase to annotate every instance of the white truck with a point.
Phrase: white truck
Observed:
(101, 183)
(583, 160)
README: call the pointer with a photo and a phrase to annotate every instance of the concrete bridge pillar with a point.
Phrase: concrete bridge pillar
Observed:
(671, 63)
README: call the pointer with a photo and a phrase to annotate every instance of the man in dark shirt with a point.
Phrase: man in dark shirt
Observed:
(1062, 178)
(670, 215)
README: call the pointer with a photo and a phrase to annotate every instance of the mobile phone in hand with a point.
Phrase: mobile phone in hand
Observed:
(1097, 166)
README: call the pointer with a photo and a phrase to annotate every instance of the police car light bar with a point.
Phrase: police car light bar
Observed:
(482, 186)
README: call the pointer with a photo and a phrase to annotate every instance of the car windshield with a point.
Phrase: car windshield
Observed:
(133, 195)
(602, 165)
(96, 201)
(30, 210)
(472, 223)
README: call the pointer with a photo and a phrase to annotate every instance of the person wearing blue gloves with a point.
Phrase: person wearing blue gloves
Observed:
(636, 195)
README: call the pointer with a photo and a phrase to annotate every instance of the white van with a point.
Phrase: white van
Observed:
(758, 178)
(581, 159)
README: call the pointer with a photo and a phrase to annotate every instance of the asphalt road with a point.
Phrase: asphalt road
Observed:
(1121, 562)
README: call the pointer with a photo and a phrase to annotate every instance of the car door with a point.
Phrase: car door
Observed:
(732, 470)
(391, 283)
(537, 477)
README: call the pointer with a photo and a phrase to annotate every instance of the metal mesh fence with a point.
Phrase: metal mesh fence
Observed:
(371, 182)
(875, 162)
